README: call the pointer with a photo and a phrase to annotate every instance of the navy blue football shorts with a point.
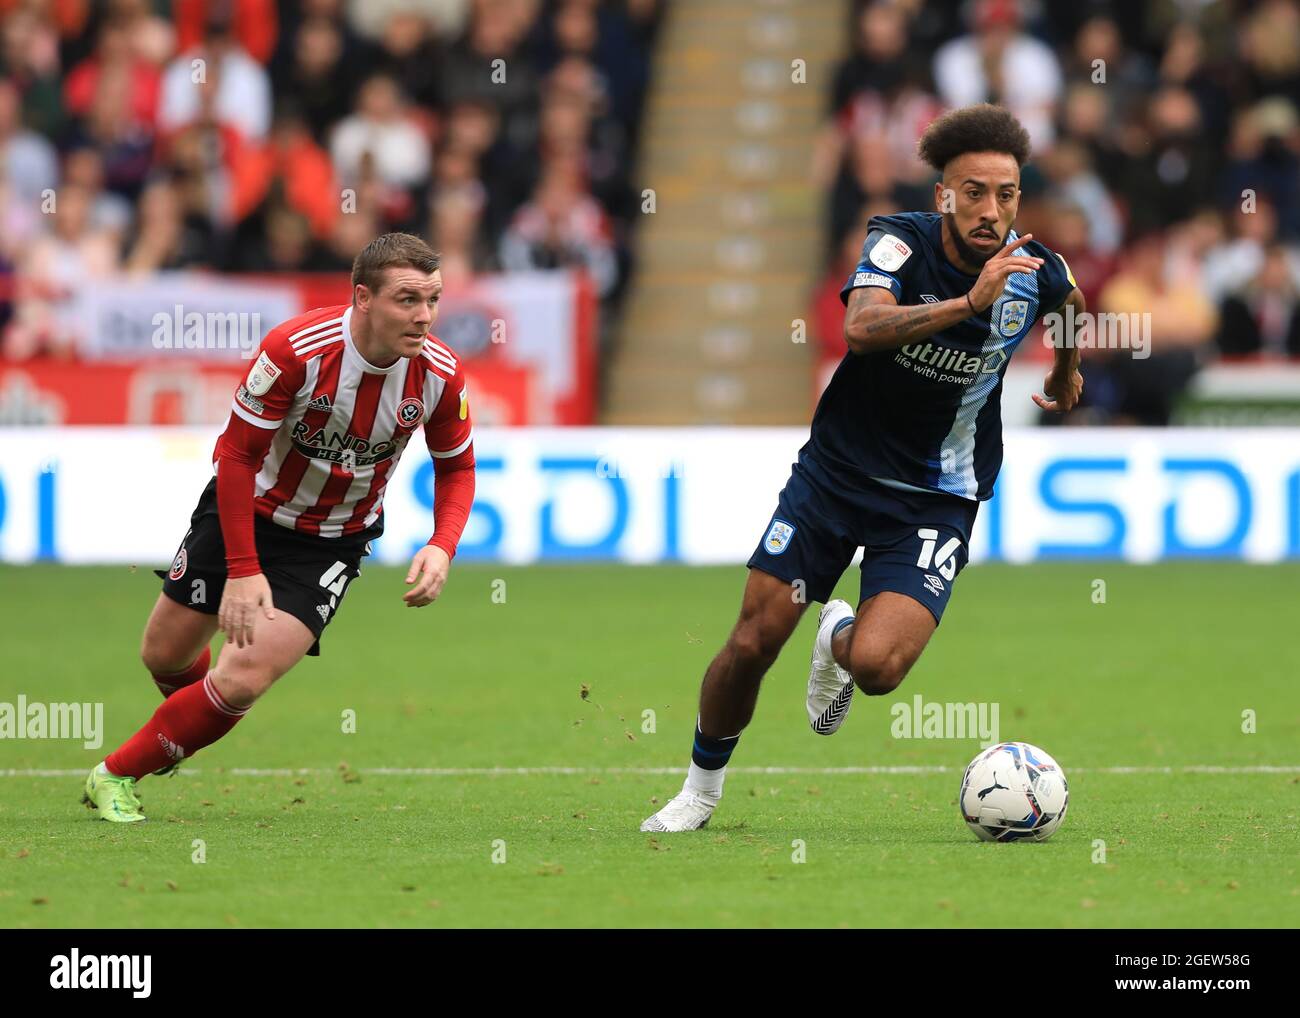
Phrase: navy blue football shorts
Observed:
(914, 543)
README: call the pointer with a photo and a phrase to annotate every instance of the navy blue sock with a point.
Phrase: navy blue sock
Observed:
(712, 754)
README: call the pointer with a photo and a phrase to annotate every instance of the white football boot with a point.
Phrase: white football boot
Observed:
(688, 810)
(830, 687)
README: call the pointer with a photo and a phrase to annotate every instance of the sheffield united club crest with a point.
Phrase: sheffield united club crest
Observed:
(410, 412)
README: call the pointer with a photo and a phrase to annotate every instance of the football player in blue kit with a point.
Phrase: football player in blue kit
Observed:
(905, 444)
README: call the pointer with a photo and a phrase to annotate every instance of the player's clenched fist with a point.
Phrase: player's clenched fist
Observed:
(429, 567)
(993, 278)
(242, 601)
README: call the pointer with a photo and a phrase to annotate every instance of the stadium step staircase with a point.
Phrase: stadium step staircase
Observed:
(729, 256)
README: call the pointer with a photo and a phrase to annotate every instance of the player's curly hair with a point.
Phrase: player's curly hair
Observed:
(389, 251)
(980, 128)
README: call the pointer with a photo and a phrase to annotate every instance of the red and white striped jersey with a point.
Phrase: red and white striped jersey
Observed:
(341, 423)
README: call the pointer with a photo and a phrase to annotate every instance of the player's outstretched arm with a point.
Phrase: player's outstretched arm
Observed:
(453, 495)
(449, 435)
(247, 592)
(260, 404)
(874, 321)
(1064, 384)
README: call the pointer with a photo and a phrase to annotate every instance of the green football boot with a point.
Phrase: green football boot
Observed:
(114, 797)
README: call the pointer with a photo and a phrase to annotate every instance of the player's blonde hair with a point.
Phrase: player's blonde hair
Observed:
(388, 251)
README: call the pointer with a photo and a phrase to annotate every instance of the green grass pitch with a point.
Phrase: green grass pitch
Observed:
(300, 825)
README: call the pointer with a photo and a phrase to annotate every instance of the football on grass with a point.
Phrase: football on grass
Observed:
(1012, 792)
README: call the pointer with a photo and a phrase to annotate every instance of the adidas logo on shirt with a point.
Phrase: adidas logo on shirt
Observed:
(321, 402)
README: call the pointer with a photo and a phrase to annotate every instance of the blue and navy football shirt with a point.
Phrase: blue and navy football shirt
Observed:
(928, 415)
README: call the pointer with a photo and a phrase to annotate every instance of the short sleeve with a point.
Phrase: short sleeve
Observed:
(888, 261)
(266, 393)
(450, 429)
(1056, 281)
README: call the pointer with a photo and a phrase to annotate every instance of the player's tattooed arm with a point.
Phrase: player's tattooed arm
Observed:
(874, 321)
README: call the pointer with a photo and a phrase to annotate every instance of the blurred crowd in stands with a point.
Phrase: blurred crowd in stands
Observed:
(1166, 164)
(256, 135)
(282, 135)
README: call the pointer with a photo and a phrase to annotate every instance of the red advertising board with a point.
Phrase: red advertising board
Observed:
(526, 341)
(52, 392)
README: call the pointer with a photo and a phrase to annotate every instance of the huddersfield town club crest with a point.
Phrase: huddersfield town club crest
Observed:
(778, 537)
(1013, 317)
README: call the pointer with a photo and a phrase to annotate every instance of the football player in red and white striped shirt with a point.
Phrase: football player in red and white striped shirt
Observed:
(315, 431)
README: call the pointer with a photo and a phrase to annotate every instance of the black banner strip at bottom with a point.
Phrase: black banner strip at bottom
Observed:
(1005, 964)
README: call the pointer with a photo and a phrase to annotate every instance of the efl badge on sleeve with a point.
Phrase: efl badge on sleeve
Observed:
(1013, 317)
(464, 403)
(778, 537)
(889, 253)
(262, 375)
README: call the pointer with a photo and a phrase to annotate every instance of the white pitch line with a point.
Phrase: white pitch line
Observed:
(496, 772)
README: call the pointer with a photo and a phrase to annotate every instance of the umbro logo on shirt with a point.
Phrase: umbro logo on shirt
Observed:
(321, 402)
